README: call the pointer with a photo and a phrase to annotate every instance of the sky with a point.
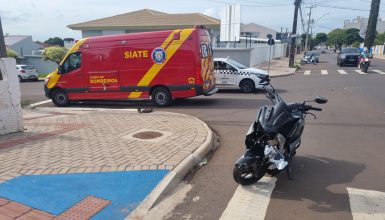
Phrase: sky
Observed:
(49, 18)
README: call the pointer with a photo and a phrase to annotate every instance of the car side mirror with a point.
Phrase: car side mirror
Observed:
(320, 100)
(60, 69)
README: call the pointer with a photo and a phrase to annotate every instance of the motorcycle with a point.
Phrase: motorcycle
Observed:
(308, 60)
(364, 64)
(273, 138)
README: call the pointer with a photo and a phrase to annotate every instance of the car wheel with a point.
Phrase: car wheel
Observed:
(247, 86)
(161, 97)
(20, 79)
(60, 98)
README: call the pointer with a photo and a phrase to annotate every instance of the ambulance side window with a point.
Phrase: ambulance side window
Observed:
(72, 62)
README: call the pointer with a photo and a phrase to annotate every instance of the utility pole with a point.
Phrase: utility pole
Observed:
(294, 34)
(372, 24)
(3, 52)
(308, 27)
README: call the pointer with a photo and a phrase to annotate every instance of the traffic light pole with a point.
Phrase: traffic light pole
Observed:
(293, 41)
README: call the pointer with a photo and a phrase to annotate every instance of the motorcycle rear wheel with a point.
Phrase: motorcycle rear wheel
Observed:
(243, 177)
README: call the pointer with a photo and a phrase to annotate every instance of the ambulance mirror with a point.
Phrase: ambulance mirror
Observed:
(60, 69)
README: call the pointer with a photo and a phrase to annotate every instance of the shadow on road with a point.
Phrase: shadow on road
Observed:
(320, 180)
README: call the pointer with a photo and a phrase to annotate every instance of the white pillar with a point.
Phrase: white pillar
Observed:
(11, 116)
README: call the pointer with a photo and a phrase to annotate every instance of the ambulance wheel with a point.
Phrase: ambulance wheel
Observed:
(247, 86)
(161, 97)
(60, 98)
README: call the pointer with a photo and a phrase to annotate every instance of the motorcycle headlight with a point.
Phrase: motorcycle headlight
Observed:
(280, 139)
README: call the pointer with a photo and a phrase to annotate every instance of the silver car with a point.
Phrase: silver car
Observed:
(26, 72)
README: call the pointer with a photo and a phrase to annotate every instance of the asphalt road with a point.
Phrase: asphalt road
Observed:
(343, 147)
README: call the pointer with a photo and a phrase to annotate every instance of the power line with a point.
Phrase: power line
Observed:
(264, 5)
(336, 7)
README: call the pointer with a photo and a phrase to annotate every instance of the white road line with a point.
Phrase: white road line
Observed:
(366, 204)
(324, 72)
(360, 72)
(307, 72)
(379, 71)
(39, 103)
(250, 202)
(342, 72)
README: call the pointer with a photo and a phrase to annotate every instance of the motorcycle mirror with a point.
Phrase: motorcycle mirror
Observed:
(320, 100)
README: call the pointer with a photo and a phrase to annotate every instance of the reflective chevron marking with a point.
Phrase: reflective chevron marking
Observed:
(379, 71)
(342, 72)
(250, 202)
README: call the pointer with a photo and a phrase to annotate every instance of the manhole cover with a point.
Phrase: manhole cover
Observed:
(147, 135)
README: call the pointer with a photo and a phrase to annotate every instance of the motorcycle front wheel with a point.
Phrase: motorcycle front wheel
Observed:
(244, 177)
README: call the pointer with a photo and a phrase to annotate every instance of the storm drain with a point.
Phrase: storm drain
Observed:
(148, 135)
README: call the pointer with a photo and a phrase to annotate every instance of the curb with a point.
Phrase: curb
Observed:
(281, 75)
(177, 174)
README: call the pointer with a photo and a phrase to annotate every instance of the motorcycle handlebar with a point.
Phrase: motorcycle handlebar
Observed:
(309, 107)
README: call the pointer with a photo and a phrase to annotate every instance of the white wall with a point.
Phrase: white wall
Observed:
(260, 54)
(241, 55)
(11, 116)
(25, 46)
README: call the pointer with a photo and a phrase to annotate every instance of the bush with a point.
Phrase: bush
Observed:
(55, 54)
(12, 53)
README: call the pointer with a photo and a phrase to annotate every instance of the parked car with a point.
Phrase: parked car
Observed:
(348, 56)
(312, 53)
(231, 73)
(26, 72)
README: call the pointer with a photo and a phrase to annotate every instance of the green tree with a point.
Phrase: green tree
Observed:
(380, 39)
(310, 41)
(320, 38)
(12, 53)
(337, 37)
(55, 54)
(353, 35)
(55, 41)
(372, 23)
(356, 44)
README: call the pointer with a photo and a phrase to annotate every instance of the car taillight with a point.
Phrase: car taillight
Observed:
(22, 71)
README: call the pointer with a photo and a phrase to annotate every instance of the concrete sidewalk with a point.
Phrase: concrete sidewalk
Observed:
(278, 67)
(84, 141)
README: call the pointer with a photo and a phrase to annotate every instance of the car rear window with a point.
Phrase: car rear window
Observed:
(27, 67)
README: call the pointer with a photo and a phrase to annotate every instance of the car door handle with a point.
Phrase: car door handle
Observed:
(80, 74)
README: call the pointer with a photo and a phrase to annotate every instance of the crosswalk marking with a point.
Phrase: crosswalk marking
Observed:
(324, 72)
(379, 71)
(360, 72)
(366, 204)
(250, 202)
(342, 72)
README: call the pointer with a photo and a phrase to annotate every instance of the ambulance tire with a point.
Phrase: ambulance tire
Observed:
(161, 97)
(60, 98)
(247, 86)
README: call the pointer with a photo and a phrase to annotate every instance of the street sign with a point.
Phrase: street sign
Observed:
(270, 42)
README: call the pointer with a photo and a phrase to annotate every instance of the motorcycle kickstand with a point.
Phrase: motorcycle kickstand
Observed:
(289, 172)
